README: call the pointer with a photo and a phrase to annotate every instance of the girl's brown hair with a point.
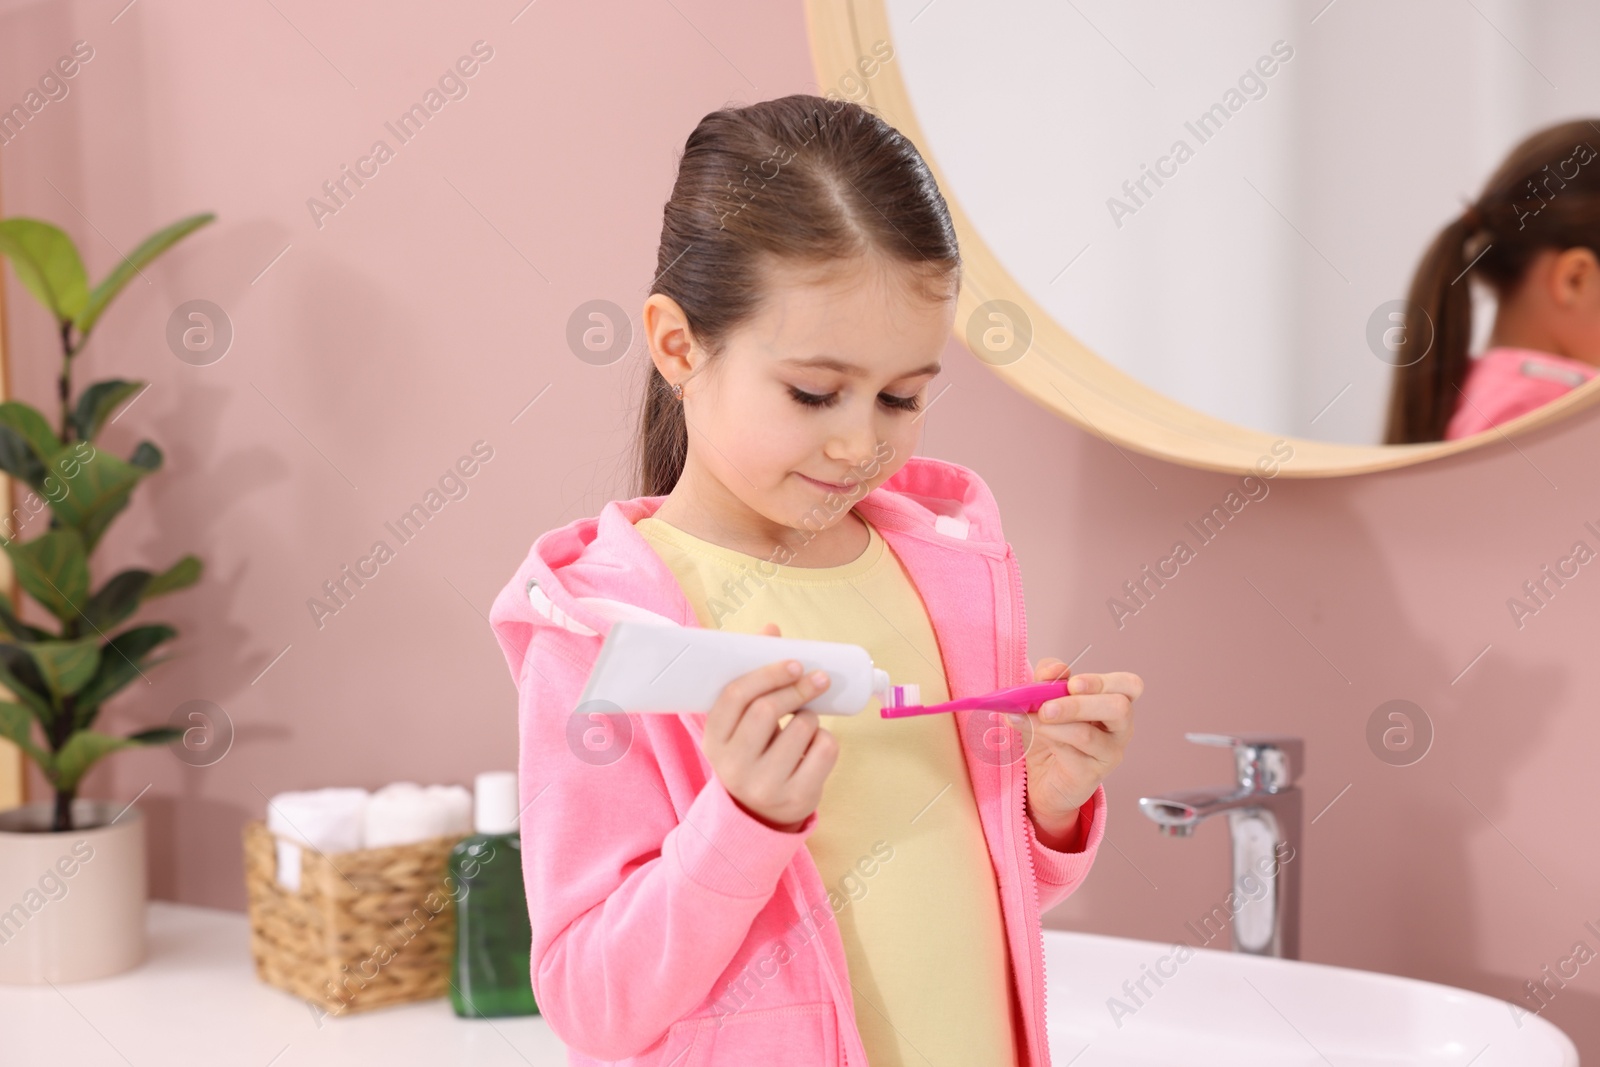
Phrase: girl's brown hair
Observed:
(1545, 195)
(802, 179)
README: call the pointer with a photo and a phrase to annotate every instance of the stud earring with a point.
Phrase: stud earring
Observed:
(677, 390)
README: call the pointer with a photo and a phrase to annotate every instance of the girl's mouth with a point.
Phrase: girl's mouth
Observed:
(831, 487)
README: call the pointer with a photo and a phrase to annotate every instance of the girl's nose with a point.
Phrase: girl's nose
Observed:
(855, 446)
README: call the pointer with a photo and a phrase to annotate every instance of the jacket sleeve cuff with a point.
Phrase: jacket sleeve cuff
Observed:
(1065, 870)
(723, 849)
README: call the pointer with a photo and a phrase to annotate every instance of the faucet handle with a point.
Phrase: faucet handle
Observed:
(1267, 763)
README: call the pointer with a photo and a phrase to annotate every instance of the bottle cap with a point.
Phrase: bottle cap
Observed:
(495, 806)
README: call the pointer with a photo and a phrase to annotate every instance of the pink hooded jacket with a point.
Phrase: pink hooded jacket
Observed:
(669, 927)
(1504, 383)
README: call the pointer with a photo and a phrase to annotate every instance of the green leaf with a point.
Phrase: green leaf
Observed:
(180, 575)
(16, 726)
(84, 715)
(20, 674)
(117, 599)
(120, 663)
(96, 525)
(158, 735)
(54, 569)
(80, 752)
(17, 458)
(92, 485)
(66, 666)
(98, 402)
(17, 628)
(124, 272)
(147, 457)
(33, 427)
(47, 263)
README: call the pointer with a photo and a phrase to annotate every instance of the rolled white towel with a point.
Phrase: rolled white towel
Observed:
(405, 812)
(457, 803)
(326, 820)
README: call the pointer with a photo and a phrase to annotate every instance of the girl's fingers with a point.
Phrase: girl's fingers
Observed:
(817, 762)
(1084, 739)
(1050, 669)
(1104, 698)
(1113, 710)
(1129, 685)
(724, 715)
(728, 711)
(787, 749)
(760, 720)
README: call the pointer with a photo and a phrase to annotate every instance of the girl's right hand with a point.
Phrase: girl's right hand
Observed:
(775, 774)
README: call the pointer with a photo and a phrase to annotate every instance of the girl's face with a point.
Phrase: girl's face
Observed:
(814, 401)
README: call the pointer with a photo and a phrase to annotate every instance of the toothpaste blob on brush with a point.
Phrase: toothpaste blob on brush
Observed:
(904, 696)
(1021, 699)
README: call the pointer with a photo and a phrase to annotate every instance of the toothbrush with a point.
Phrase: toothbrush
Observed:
(1017, 698)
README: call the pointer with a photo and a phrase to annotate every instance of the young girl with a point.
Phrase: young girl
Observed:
(757, 884)
(1532, 236)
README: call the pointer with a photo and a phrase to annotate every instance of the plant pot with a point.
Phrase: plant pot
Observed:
(72, 905)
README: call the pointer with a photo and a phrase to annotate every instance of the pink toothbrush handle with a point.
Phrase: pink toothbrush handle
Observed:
(1018, 698)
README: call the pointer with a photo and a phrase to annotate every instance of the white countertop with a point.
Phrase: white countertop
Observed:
(196, 1000)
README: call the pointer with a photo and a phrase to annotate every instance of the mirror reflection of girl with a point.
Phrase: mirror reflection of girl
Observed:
(820, 889)
(1532, 237)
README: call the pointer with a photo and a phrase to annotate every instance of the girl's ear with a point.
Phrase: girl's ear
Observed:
(1575, 278)
(666, 332)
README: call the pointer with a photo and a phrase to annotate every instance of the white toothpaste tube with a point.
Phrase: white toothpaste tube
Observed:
(658, 667)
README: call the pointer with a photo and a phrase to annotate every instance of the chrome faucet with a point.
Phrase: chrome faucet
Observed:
(1264, 814)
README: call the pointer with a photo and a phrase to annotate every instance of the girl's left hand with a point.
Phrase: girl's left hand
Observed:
(1077, 741)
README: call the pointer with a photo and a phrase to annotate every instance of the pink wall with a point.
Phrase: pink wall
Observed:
(431, 309)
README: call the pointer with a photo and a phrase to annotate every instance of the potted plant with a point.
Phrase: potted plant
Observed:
(72, 871)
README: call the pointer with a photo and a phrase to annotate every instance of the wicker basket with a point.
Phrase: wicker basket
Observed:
(361, 932)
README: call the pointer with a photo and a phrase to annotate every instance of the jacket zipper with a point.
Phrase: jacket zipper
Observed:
(1018, 649)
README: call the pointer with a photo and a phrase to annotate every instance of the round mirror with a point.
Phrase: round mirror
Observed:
(1198, 230)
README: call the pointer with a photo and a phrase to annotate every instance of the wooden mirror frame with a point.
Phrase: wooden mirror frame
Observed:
(1060, 372)
(13, 770)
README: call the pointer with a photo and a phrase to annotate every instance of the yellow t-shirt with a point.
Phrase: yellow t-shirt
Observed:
(897, 840)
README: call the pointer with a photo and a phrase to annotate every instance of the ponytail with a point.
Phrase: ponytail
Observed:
(1437, 319)
(663, 436)
(1545, 195)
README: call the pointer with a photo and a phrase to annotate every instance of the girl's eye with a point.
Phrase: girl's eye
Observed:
(901, 403)
(814, 400)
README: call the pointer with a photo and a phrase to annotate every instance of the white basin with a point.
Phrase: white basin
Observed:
(1226, 1009)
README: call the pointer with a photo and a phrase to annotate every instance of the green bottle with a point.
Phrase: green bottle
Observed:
(489, 970)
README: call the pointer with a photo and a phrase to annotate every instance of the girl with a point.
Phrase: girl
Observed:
(1532, 237)
(758, 885)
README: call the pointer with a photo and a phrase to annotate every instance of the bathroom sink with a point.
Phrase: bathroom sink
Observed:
(1226, 1009)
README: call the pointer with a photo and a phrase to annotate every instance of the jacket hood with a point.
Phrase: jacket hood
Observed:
(581, 577)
